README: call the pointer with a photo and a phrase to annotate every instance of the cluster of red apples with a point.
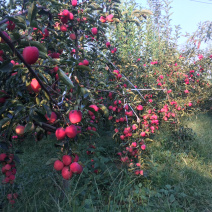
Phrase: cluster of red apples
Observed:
(75, 116)
(68, 166)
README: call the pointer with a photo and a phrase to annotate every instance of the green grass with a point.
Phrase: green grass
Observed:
(179, 178)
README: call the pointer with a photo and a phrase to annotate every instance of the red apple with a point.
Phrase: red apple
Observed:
(143, 134)
(76, 168)
(72, 36)
(55, 55)
(10, 25)
(94, 31)
(74, 3)
(35, 86)
(109, 18)
(31, 54)
(75, 116)
(71, 131)
(139, 107)
(19, 130)
(58, 165)
(55, 69)
(66, 173)
(66, 160)
(65, 13)
(52, 118)
(94, 107)
(102, 19)
(7, 167)
(71, 16)
(60, 133)
(85, 62)
(108, 44)
(2, 157)
(63, 28)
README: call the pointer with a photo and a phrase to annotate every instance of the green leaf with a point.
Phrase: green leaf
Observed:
(28, 127)
(172, 198)
(83, 68)
(4, 121)
(32, 11)
(104, 110)
(65, 79)
(48, 110)
(34, 24)
(42, 77)
(39, 117)
(22, 26)
(51, 161)
(85, 170)
(84, 92)
(37, 101)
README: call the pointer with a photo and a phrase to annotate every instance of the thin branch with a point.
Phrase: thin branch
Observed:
(46, 126)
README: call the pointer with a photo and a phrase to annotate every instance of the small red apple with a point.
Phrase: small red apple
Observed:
(2, 156)
(66, 173)
(73, 36)
(63, 28)
(74, 3)
(35, 86)
(71, 131)
(94, 31)
(139, 107)
(58, 165)
(107, 44)
(109, 18)
(60, 133)
(65, 13)
(52, 118)
(10, 25)
(66, 160)
(75, 116)
(55, 55)
(143, 134)
(85, 62)
(102, 19)
(94, 107)
(19, 130)
(76, 168)
(71, 16)
(7, 167)
(31, 54)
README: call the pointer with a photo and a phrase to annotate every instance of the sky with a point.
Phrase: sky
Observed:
(187, 14)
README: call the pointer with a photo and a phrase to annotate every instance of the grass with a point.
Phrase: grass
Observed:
(179, 178)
